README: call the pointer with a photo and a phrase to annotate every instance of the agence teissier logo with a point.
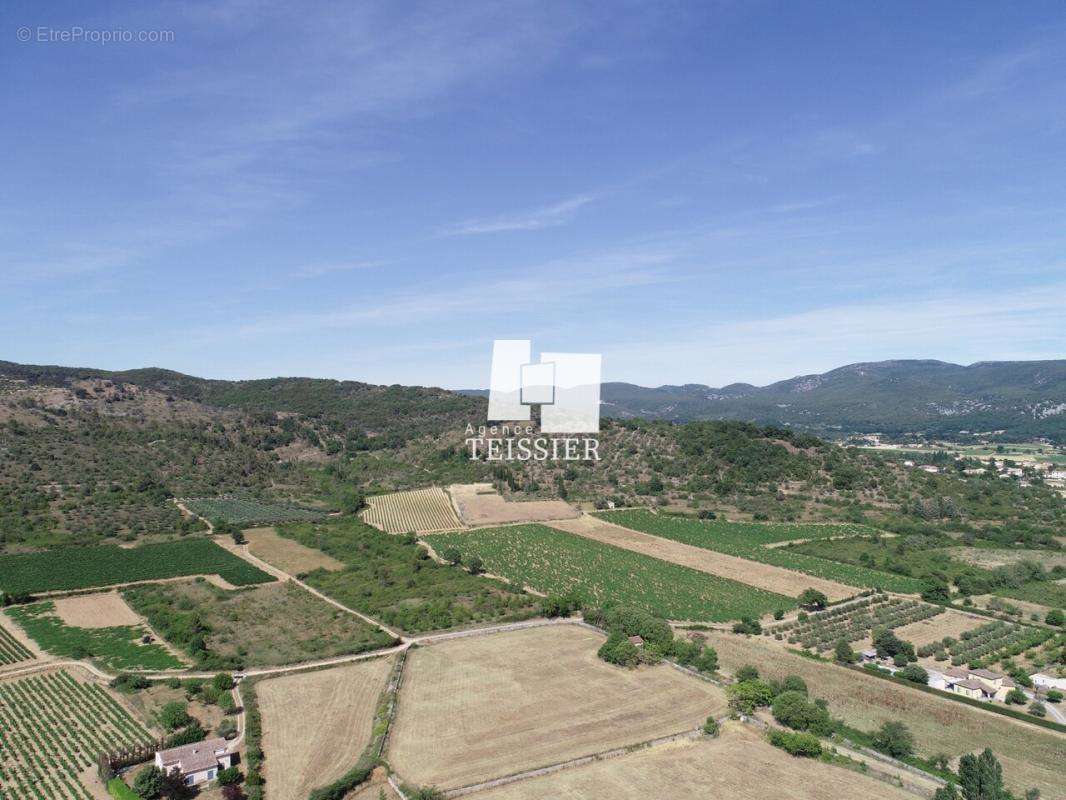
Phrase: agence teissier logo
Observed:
(566, 386)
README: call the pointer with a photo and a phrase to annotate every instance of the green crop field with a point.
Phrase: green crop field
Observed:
(11, 649)
(246, 512)
(52, 728)
(118, 647)
(106, 565)
(750, 539)
(552, 561)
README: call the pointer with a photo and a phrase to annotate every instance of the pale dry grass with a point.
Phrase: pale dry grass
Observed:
(286, 554)
(950, 623)
(480, 504)
(762, 576)
(989, 558)
(739, 765)
(478, 708)
(416, 511)
(104, 610)
(316, 724)
(1031, 756)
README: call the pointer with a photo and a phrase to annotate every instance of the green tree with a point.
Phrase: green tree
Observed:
(794, 710)
(710, 727)
(894, 739)
(150, 783)
(946, 793)
(914, 673)
(981, 777)
(1015, 697)
(174, 715)
(843, 652)
(746, 696)
(812, 599)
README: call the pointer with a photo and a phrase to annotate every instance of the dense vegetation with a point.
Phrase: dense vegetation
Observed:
(263, 626)
(244, 512)
(394, 580)
(555, 562)
(106, 565)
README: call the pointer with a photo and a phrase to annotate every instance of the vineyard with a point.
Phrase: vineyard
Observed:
(107, 565)
(853, 622)
(11, 649)
(757, 541)
(52, 728)
(117, 647)
(985, 644)
(244, 512)
(551, 561)
(419, 510)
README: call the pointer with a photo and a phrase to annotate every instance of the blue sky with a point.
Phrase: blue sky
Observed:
(703, 192)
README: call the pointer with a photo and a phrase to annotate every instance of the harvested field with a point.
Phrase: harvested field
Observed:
(1031, 756)
(316, 724)
(950, 623)
(739, 765)
(415, 511)
(481, 504)
(752, 573)
(104, 610)
(477, 708)
(288, 555)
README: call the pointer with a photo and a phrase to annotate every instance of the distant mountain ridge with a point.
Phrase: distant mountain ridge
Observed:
(1023, 398)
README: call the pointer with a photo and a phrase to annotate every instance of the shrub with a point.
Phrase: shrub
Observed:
(1015, 697)
(711, 727)
(894, 739)
(746, 696)
(1037, 709)
(746, 673)
(619, 650)
(797, 744)
(914, 673)
(794, 710)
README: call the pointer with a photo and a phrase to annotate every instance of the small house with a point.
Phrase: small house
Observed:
(971, 687)
(637, 640)
(198, 762)
(868, 656)
(1044, 681)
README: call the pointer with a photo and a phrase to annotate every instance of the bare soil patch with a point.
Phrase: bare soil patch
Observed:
(104, 610)
(286, 554)
(739, 764)
(316, 724)
(483, 707)
(762, 576)
(481, 504)
(1031, 756)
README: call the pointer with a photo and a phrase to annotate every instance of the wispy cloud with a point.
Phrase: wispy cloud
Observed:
(318, 270)
(545, 217)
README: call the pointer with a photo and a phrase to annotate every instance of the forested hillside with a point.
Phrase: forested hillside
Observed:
(91, 456)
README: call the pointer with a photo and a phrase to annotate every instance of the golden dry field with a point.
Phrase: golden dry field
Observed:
(286, 554)
(480, 504)
(103, 610)
(737, 765)
(477, 708)
(316, 724)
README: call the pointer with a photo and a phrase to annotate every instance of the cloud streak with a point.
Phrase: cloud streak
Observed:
(545, 217)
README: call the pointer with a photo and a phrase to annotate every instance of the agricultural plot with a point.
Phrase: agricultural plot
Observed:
(986, 644)
(69, 568)
(287, 555)
(478, 708)
(762, 576)
(989, 558)
(244, 511)
(1031, 756)
(12, 651)
(271, 625)
(53, 728)
(739, 764)
(551, 561)
(316, 724)
(117, 647)
(853, 622)
(392, 578)
(417, 511)
(481, 504)
(761, 542)
(950, 623)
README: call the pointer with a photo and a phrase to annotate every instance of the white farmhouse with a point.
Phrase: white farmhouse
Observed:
(198, 762)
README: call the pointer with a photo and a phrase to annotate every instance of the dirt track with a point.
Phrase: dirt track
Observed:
(762, 576)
